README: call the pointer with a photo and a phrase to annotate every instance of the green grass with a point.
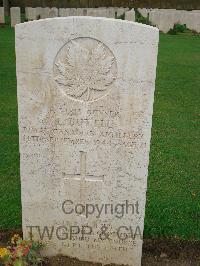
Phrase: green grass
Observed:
(10, 209)
(173, 183)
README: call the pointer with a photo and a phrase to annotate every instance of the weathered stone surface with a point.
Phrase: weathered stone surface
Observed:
(15, 15)
(85, 98)
(130, 15)
(2, 16)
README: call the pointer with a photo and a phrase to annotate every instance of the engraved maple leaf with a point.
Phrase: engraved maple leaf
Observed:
(84, 70)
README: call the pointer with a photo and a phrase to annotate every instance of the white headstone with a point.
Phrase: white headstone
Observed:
(2, 16)
(32, 14)
(15, 15)
(45, 12)
(63, 12)
(85, 97)
(144, 12)
(197, 22)
(182, 17)
(39, 11)
(72, 12)
(130, 15)
(193, 21)
(120, 12)
(175, 16)
(154, 17)
(189, 19)
(53, 12)
(115, 9)
(165, 19)
(110, 12)
(166, 22)
(101, 12)
(26, 12)
(81, 11)
(91, 12)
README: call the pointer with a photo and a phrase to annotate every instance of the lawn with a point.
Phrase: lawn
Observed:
(174, 183)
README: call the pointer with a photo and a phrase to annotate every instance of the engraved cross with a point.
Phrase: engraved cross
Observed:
(83, 176)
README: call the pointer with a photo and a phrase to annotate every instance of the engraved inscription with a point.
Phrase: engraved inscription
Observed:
(85, 69)
(83, 176)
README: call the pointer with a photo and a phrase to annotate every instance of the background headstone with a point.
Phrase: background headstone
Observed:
(120, 12)
(63, 12)
(39, 11)
(72, 12)
(2, 16)
(32, 13)
(85, 98)
(111, 12)
(45, 12)
(130, 15)
(6, 7)
(144, 12)
(197, 22)
(53, 12)
(182, 17)
(154, 17)
(26, 12)
(165, 19)
(166, 22)
(101, 12)
(81, 11)
(15, 16)
(91, 12)
(193, 21)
